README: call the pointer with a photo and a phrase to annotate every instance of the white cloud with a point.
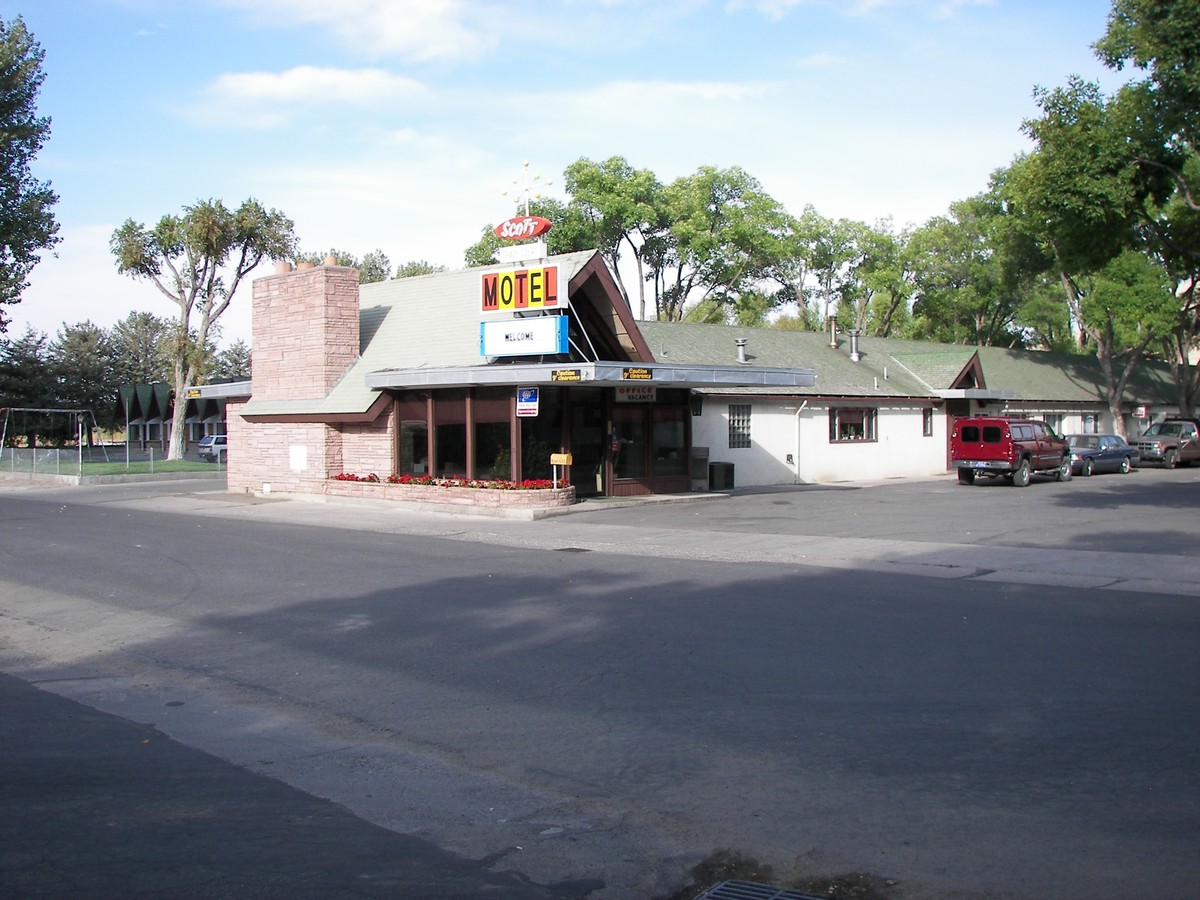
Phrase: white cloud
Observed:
(416, 30)
(777, 10)
(261, 100)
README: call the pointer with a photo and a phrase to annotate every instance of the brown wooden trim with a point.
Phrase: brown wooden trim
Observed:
(373, 412)
(596, 268)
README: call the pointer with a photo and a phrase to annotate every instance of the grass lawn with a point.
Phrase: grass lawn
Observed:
(145, 467)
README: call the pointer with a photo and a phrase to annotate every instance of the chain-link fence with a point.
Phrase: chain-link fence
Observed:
(70, 461)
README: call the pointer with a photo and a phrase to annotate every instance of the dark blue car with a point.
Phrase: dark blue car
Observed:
(1101, 453)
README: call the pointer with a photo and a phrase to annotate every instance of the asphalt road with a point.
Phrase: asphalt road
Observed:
(976, 692)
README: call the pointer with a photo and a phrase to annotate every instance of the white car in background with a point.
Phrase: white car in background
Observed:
(213, 447)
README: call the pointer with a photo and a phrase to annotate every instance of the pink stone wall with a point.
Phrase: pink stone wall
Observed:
(292, 457)
(305, 332)
(368, 448)
(478, 498)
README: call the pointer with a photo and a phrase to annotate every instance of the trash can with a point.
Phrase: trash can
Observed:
(720, 476)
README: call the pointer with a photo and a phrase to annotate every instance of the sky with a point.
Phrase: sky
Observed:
(409, 126)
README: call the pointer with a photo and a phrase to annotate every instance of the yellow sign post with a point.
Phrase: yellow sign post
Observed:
(559, 459)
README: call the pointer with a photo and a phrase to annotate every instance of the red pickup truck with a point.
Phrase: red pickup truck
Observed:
(1010, 448)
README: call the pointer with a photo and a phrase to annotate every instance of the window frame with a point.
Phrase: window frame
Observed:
(868, 420)
(740, 421)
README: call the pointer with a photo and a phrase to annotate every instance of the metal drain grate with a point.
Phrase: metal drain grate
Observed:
(573, 549)
(748, 890)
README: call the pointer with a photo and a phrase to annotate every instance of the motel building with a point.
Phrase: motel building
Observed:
(486, 373)
(536, 369)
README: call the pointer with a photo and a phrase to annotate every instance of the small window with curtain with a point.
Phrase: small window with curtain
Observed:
(851, 425)
(739, 426)
(927, 422)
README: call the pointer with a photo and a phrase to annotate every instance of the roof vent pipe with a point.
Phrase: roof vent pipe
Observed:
(741, 349)
(854, 354)
(833, 332)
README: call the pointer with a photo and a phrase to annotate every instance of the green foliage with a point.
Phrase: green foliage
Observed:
(375, 267)
(616, 207)
(1130, 299)
(142, 349)
(567, 235)
(27, 224)
(417, 267)
(1045, 318)
(232, 363)
(725, 236)
(82, 365)
(26, 375)
(483, 251)
(1162, 38)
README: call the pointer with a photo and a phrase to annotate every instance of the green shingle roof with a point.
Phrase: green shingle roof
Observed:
(889, 367)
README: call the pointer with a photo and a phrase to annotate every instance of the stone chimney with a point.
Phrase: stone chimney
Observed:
(305, 329)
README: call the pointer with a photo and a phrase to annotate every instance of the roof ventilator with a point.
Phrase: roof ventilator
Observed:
(854, 354)
(741, 349)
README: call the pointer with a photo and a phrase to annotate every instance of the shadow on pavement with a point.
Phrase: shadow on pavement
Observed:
(97, 806)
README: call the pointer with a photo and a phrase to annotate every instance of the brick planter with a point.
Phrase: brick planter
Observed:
(483, 501)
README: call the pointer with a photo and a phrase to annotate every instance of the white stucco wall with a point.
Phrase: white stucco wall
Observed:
(782, 428)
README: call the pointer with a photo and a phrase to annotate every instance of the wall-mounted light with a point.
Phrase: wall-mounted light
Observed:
(696, 401)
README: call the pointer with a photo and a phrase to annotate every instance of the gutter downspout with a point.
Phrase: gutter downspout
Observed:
(799, 410)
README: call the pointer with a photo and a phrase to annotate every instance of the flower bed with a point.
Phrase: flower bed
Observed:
(496, 497)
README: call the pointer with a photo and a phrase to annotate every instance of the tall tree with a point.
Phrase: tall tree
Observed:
(1162, 39)
(81, 360)
(27, 224)
(623, 209)
(27, 381)
(198, 260)
(796, 272)
(232, 363)
(141, 347)
(725, 237)
(1080, 195)
(974, 270)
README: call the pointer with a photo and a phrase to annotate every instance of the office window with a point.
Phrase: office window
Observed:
(927, 422)
(739, 426)
(848, 425)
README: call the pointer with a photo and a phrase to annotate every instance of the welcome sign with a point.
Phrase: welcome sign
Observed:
(541, 336)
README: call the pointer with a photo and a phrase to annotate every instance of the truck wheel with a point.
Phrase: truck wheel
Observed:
(966, 476)
(1021, 475)
(1171, 458)
(1064, 469)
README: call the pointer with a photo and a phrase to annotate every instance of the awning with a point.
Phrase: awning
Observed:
(597, 373)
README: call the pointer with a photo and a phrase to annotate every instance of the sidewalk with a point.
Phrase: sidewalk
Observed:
(96, 806)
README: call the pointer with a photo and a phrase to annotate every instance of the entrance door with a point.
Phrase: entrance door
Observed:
(649, 450)
(629, 443)
(587, 446)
